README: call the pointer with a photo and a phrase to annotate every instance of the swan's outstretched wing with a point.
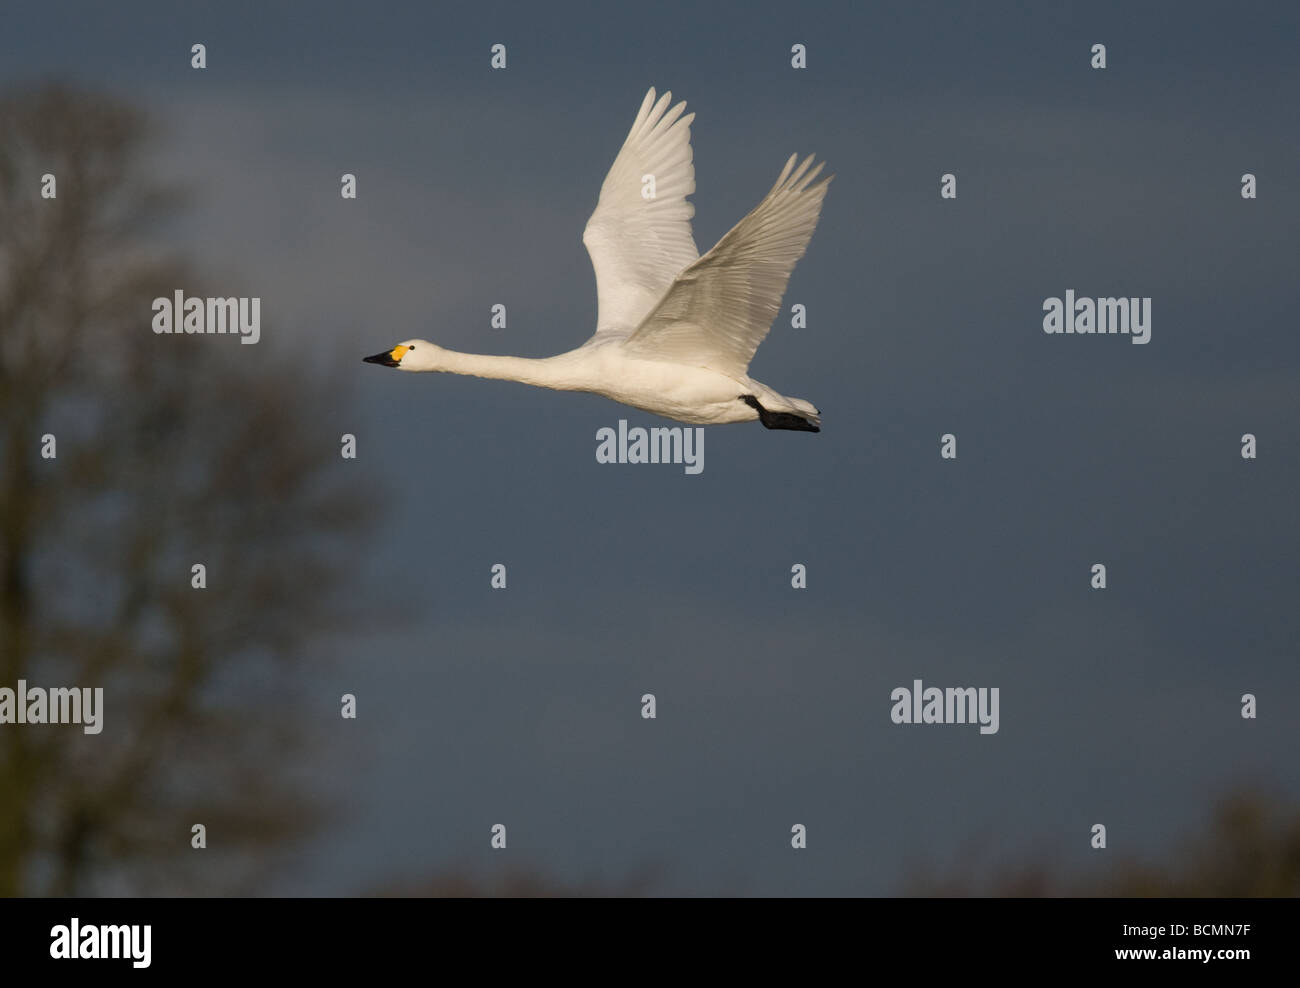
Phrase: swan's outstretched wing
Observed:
(720, 308)
(638, 244)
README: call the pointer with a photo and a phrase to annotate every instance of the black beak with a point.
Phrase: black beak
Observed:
(385, 358)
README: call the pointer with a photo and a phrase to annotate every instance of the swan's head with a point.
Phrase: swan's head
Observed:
(413, 355)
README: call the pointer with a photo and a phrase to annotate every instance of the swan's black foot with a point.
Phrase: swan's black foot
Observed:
(779, 420)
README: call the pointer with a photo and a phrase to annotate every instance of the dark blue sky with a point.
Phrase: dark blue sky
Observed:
(924, 317)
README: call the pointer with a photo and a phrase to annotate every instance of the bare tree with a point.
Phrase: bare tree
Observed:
(171, 451)
(1251, 848)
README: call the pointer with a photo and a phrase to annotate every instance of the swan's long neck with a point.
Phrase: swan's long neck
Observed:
(548, 372)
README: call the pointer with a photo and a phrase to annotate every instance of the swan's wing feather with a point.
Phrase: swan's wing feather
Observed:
(638, 245)
(720, 308)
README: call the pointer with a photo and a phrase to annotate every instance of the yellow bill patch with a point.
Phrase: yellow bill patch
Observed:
(398, 351)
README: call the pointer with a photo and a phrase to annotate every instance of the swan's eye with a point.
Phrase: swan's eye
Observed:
(410, 348)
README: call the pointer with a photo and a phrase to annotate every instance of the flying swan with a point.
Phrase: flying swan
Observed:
(675, 331)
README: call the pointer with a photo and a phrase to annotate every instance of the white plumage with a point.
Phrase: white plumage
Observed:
(675, 331)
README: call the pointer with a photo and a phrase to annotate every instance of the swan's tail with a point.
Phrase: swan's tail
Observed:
(807, 409)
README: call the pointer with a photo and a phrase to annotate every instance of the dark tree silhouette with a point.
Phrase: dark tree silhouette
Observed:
(171, 450)
(1251, 849)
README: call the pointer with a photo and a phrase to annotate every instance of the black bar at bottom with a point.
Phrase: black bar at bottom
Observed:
(166, 938)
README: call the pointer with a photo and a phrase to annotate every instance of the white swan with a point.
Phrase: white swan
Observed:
(675, 331)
